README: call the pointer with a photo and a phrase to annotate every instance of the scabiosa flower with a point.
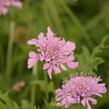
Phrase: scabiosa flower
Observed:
(4, 4)
(54, 51)
(80, 89)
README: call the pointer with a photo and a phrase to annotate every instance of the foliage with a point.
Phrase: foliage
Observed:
(7, 103)
(89, 62)
(85, 22)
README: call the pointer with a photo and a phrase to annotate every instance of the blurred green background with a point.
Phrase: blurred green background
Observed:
(85, 22)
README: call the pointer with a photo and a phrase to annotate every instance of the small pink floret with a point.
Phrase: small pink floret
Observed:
(4, 4)
(18, 86)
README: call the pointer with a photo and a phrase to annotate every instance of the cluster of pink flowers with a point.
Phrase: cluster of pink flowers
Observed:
(4, 4)
(54, 51)
(58, 54)
(80, 89)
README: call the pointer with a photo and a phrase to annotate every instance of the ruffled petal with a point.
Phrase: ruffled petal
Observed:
(59, 91)
(46, 66)
(88, 105)
(72, 64)
(70, 58)
(3, 10)
(16, 4)
(93, 100)
(83, 102)
(49, 33)
(50, 73)
(71, 100)
(63, 67)
(41, 36)
(59, 104)
(32, 42)
(32, 54)
(31, 62)
(33, 59)
(56, 69)
(69, 46)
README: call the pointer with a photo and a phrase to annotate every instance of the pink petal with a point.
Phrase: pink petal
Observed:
(88, 105)
(22, 83)
(70, 58)
(56, 69)
(103, 89)
(59, 98)
(32, 54)
(50, 33)
(59, 104)
(72, 64)
(32, 42)
(31, 62)
(41, 36)
(71, 100)
(7, 3)
(94, 101)
(41, 58)
(50, 73)
(78, 99)
(70, 46)
(33, 59)
(47, 59)
(63, 67)
(83, 102)
(59, 91)
(3, 10)
(46, 66)
(66, 105)
(17, 4)
(98, 94)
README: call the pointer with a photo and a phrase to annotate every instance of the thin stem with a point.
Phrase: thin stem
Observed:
(2, 59)
(46, 86)
(33, 88)
(10, 49)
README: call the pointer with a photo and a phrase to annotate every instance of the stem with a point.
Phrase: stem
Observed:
(9, 49)
(46, 86)
(2, 59)
(33, 88)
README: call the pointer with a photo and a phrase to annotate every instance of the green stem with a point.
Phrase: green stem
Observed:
(9, 49)
(33, 88)
(2, 59)
(46, 86)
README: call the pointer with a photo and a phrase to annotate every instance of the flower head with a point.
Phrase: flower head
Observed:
(80, 89)
(54, 51)
(4, 4)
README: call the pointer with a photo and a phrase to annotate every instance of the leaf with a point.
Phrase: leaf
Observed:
(7, 103)
(89, 62)
(26, 105)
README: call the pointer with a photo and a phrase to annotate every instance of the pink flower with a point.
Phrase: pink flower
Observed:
(4, 4)
(18, 86)
(80, 89)
(54, 51)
